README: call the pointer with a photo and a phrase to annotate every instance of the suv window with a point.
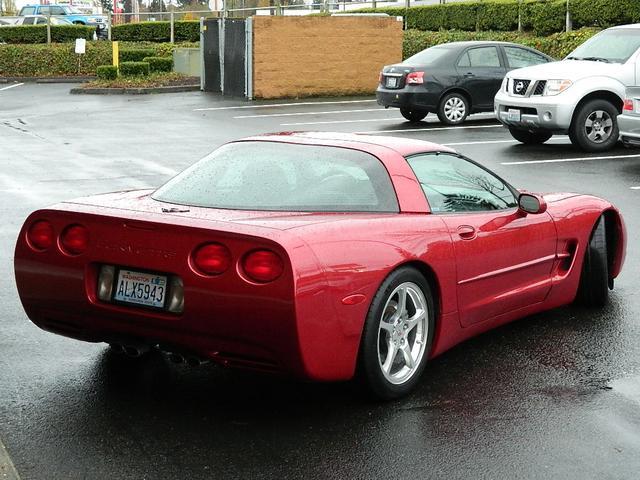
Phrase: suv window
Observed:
(454, 184)
(28, 11)
(520, 57)
(480, 57)
(57, 11)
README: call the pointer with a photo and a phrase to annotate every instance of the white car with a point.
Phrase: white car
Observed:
(581, 95)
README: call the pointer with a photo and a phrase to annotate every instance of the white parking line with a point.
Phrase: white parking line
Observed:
(562, 160)
(331, 122)
(11, 86)
(485, 142)
(429, 129)
(296, 104)
(635, 188)
(297, 114)
(7, 470)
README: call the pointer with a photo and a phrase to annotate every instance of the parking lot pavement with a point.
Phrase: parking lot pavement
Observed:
(556, 395)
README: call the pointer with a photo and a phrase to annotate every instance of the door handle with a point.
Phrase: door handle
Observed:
(469, 74)
(466, 232)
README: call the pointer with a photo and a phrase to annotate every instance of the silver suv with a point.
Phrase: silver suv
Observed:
(581, 95)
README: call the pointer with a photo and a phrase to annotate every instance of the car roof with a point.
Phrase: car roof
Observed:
(630, 26)
(477, 43)
(402, 146)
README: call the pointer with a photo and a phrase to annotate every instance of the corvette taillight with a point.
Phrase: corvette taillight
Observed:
(211, 259)
(74, 239)
(40, 235)
(415, 78)
(262, 266)
(628, 105)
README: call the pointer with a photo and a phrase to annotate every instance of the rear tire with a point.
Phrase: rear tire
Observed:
(595, 127)
(413, 115)
(397, 335)
(453, 109)
(530, 138)
(594, 279)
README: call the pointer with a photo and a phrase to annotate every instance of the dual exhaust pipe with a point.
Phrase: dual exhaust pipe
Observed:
(137, 350)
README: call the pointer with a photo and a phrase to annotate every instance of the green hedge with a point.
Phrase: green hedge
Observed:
(542, 17)
(557, 45)
(59, 59)
(183, 31)
(130, 69)
(136, 54)
(159, 64)
(107, 72)
(38, 33)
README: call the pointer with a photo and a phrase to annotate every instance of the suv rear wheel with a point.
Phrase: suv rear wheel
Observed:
(529, 138)
(595, 127)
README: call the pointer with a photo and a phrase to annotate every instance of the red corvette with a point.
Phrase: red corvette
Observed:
(324, 256)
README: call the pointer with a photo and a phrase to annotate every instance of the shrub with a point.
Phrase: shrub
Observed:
(159, 64)
(38, 33)
(558, 45)
(183, 31)
(604, 13)
(130, 69)
(107, 72)
(136, 54)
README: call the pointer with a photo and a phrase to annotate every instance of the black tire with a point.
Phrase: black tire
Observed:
(413, 114)
(453, 109)
(603, 133)
(530, 138)
(418, 338)
(594, 279)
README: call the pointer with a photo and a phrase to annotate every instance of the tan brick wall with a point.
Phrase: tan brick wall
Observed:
(307, 56)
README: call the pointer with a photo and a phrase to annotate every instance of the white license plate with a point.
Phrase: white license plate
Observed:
(392, 82)
(141, 288)
(513, 115)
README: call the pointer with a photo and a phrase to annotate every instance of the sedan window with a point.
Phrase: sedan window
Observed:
(520, 57)
(454, 184)
(480, 57)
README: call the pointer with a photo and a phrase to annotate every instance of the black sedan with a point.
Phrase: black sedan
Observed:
(452, 79)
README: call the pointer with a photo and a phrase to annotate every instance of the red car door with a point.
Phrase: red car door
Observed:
(503, 261)
(504, 257)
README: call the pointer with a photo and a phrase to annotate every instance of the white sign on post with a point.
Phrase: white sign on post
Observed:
(81, 46)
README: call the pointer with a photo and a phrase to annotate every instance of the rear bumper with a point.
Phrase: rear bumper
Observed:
(402, 98)
(629, 129)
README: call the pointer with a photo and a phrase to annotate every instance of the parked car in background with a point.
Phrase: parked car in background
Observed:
(581, 96)
(452, 79)
(629, 120)
(72, 14)
(4, 22)
(319, 255)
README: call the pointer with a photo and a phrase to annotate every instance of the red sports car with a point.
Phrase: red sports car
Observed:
(324, 256)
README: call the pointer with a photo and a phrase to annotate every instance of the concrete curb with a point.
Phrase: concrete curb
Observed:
(7, 469)
(47, 79)
(134, 91)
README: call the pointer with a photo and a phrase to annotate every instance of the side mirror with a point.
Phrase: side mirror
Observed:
(530, 203)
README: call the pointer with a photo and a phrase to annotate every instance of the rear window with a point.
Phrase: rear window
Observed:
(428, 56)
(275, 176)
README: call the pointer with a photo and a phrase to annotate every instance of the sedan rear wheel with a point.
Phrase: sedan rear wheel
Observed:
(453, 109)
(413, 115)
(398, 334)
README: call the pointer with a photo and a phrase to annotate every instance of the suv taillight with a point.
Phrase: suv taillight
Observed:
(628, 105)
(415, 78)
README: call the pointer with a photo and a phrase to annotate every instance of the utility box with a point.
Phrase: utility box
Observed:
(187, 61)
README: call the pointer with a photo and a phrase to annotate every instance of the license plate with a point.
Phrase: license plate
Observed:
(141, 288)
(513, 115)
(392, 82)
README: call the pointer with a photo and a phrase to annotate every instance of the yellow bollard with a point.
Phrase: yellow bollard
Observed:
(116, 54)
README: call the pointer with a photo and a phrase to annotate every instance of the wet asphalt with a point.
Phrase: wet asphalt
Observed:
(555, 395)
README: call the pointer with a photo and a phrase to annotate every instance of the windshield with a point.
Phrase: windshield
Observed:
(284, 177)
(428, 56)
(614, 46)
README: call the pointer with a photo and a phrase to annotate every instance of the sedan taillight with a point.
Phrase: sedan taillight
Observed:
(74, 239)
(40, 235)
(415, 78)
(262, 266)
(211, 259)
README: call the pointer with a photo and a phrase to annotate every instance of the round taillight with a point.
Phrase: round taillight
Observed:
(212, 259)
(40, 235)
(74, 239)
(262, 266)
